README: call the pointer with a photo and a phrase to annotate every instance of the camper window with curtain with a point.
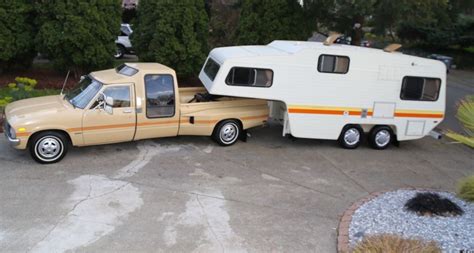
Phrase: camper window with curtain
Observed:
(420, 88)
(239, 76)
(333, 64)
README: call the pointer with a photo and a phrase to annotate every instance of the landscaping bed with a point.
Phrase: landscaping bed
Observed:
(386, 214)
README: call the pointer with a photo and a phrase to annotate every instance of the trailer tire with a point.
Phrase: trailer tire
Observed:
(227, 132)
(351, 136)
(48, 147)
(380, 137)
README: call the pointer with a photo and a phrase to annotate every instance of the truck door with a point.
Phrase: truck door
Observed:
(158, 113)
(100, 127)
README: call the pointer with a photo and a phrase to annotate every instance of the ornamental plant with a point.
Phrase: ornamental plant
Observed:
(466, 189)
(22, 88)
(465, 115)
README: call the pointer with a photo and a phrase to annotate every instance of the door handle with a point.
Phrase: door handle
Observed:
(127, 111)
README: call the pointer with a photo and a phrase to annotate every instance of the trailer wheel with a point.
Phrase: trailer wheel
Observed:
(48, 147)
(380, 137)
(227, 132)
(351, 136)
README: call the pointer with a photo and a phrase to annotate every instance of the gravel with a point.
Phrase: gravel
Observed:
(385, 215)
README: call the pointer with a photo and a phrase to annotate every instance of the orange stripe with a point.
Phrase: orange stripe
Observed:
(255, 117)
(358, 113)
(418, 115)
(25, 134)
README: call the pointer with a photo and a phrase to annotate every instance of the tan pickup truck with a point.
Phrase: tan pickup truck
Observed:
(134, 101)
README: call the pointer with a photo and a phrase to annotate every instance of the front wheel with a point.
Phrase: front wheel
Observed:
(227, 132)
(48, 147)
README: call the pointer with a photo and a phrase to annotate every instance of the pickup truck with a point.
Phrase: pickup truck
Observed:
(134, 101)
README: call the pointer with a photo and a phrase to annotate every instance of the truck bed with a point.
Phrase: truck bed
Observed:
(200, 118)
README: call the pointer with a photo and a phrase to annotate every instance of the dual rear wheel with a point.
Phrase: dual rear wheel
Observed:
(380, 137)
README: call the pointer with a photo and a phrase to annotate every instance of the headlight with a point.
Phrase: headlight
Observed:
(12, 133)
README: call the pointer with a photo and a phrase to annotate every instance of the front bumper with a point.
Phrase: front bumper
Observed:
(6, 130)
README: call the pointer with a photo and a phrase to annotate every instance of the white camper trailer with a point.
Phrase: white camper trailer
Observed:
(335, 92)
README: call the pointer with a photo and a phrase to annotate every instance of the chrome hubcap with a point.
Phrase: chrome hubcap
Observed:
(382, 138)
(352, 136)
(229, 133)
(49, 147)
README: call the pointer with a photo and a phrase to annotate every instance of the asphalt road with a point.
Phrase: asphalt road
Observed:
(186, 194)
(460, 84)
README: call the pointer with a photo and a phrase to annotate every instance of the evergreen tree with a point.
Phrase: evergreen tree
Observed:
(172, 33)
(262, 21)
(78, 35)
(16, 34)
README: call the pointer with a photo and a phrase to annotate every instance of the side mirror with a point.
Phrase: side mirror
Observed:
(109, 101)
(108, 106)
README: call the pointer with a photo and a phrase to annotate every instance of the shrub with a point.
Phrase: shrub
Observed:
(16, 34)
(21, 89)
(465, 115)
(466, 189)
(78, 35)
(262, 21)
(173, 33)
(394, 244)
(429, 204)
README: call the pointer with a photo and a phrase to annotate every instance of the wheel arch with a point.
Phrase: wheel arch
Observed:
(63, 132)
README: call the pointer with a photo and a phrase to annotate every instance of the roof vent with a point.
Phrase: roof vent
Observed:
(392, 48)
(331, 39)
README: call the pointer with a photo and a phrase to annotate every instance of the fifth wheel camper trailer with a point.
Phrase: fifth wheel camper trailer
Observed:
(333, 91)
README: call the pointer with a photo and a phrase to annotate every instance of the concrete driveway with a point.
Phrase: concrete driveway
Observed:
(186, 194)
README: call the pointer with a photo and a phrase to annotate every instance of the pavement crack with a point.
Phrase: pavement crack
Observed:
(343, 172)
(232, 200)
(209, 224)
(290, 182)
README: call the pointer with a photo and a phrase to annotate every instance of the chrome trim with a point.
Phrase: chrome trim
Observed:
(6, 131)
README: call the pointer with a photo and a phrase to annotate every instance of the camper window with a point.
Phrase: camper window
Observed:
(420, 88)
(160, 95)
(211, 69)
(239, 76)
(333, 64)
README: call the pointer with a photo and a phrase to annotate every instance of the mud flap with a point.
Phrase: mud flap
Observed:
(243, 136)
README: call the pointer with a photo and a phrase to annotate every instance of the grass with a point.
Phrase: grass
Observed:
(469, 50)
(466, 189)
(394, 244)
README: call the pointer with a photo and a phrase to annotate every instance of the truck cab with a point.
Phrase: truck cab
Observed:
(131, 102)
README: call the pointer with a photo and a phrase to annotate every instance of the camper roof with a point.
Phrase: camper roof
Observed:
(280, 48)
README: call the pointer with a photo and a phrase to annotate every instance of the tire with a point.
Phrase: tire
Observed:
(351, 136)
(227, 132)
(380, 137)
(120, 52)
(48, 147)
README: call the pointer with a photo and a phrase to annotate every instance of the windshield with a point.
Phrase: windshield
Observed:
(83, 92)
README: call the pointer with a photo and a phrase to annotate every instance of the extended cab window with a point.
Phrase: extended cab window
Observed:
(120, 94)
(160, 97)
(333, 64)
(420, 88)
(239, 76)
(211, 69)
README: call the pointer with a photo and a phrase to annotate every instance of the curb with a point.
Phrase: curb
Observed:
(345, 221)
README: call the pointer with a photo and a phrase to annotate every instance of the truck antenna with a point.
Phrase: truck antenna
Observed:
(65, 81)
